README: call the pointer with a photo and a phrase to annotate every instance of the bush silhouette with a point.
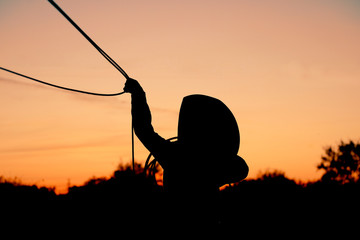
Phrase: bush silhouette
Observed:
(11, 190)
(341, 166)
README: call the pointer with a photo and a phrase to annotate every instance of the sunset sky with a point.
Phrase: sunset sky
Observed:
(288, 70)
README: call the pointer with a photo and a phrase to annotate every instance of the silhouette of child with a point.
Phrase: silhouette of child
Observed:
(204, 157)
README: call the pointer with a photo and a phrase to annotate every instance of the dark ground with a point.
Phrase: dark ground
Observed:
(271, 205)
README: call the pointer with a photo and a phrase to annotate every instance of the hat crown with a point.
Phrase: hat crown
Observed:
(206, 124)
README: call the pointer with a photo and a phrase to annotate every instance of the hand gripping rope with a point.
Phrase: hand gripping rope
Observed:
(104, 54)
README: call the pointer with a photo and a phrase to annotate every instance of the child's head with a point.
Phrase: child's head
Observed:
(207, 125)
(209, 134)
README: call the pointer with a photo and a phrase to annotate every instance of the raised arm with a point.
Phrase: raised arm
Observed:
(141, 117)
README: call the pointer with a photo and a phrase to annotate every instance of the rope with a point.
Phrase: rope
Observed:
(151, 165)
(107, 57)
(64, 88)
(103, 53)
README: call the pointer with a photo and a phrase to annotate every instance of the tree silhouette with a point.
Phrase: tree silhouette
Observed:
(343, 165)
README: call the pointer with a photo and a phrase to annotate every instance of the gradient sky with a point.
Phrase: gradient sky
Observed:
(288, 70)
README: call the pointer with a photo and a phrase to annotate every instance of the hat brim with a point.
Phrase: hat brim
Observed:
(231, 170)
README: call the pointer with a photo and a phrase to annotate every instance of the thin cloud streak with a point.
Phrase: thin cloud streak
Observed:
(113, 102)
(56, 147)
(109, 101)
(22, 83)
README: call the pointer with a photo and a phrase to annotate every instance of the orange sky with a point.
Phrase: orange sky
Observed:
(288, 70)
